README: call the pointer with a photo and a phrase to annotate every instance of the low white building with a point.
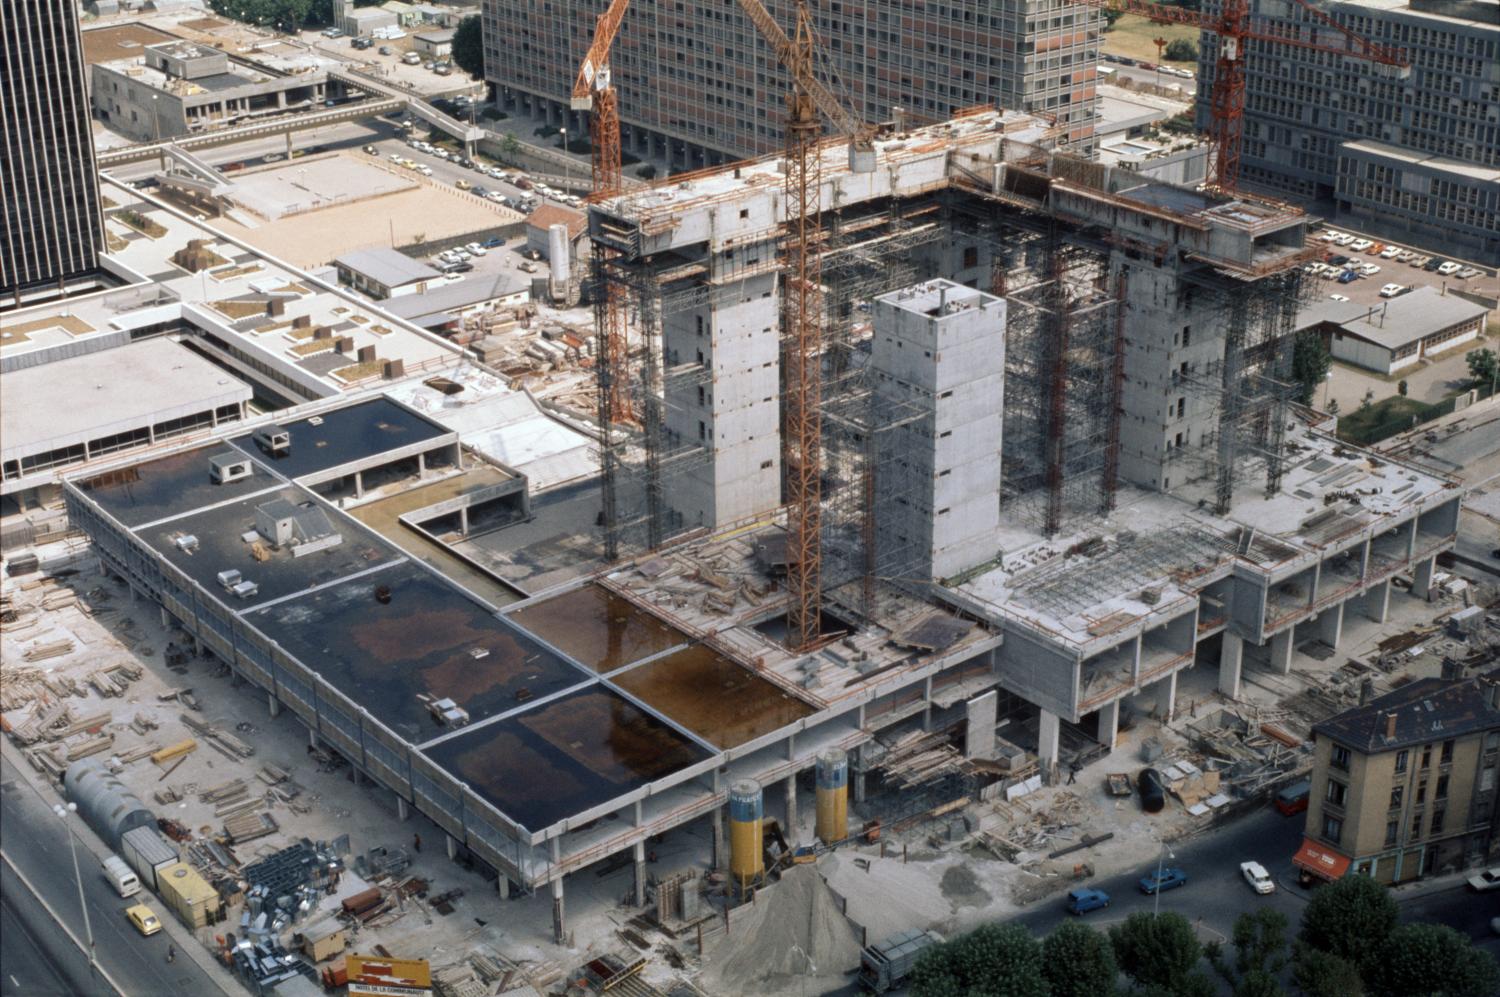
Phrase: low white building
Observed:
(438, 44)
(1398, 332)
(384, 273)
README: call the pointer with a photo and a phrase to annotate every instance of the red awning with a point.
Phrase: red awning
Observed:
(1320, 861)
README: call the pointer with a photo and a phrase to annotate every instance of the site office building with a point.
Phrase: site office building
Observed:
(1405, 786)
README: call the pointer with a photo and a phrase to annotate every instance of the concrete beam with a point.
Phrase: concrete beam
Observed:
(1231, 662)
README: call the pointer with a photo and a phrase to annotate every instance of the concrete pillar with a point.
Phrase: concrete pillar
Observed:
(721, 848)
(289, 145)
(359, 484)
(1231, 661)
(1049, 734)
(1331, 625)
(502, 886)
(1421, 578)
(463, 521)
(857, 775)
(791, 808)
(452, 845)
(927, 704)
(166, 620)
(403, 809)
(312, 738)
(640, 874)
(1171, 711)
(979, 732)
(1281, 652)
(421, 465)
(1378, 601)
(272, 705)
(1109, 724)
(559, 927)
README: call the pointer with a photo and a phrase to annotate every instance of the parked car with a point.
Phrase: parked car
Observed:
(1360, 245)
(1343, 240)
(412, 59)
(1159, 881)
(423, 169)
(144, 919)
(1329, 235)
(523, 183)
(372, 150)
(462, 184)
(462, 267)
(332, 33)
(1376, 249)
(1485, 880)
(1339, 297)
(1259, 879)
(1391, 290)
(1449, 269)
(1085, 899)
(493, 242)
(475, 249)
(1348, 277)
(1433, 265)
(1390, 252)
(1293, 799)
(430, 64)
(1369, 269)
(1405, 256)
(1338, 261)
(1468, 273)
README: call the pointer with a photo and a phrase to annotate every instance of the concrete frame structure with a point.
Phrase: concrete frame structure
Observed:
(699, 87)
(1414, 159)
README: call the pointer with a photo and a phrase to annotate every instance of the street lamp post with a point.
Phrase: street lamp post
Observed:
(1165, 851)
(88, 930)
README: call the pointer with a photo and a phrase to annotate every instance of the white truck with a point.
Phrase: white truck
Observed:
(885, 966)
(121, 876)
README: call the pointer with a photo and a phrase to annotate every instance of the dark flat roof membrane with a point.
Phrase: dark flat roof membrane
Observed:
(598, 628)
(566, 756)
(169, 486)
(427, 638)
(344, 435)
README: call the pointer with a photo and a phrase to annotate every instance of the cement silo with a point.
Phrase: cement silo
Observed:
(106, 804)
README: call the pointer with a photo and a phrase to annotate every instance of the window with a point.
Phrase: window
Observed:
(1416, 827)
(1336, 793)
(971, 256)
(1426, 755)
(1401, 760)
(1442, 788)
(1392, 828)
(1396, 794)
(1187, 335)
(1421, 793)
(1436, 826)
(1447, 755)
(1339, 759)
(1333, 828)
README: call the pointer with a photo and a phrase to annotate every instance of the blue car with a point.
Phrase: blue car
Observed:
(1167, 879)
(491, 243)
(1081, 901)
(1348, 277)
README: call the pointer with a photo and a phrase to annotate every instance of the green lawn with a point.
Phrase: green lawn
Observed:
(1132, 37)
(1388, 417)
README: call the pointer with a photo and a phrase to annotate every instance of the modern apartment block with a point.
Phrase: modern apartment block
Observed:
(1404, 786)
(698, 85)
(1415, 158)
(54, 229)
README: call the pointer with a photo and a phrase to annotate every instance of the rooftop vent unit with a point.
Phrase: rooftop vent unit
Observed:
(229, 579)
(448, 713)
(227, 467)
(187, 543)
(274, 440)
(245, 590)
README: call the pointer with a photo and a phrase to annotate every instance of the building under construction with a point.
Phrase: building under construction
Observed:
(1057, 460)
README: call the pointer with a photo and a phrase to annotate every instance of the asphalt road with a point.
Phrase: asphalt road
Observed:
(35, 843)
(26, 968)
(1215, 894)
(1135, 73)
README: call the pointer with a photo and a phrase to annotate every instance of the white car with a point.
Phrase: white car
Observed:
(1339, 297)
(1390, 252)
(476, 249)
(1468, 272)
(1360, 245)
(1255, 874)
(1329, 235)
(1449, 269)
(1369, 269)
(1391, 290)
(1485, 881)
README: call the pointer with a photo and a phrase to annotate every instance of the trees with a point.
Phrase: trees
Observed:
(510, 148)
(1310, 363)
(1431, 959)
(1078, 961)
(1260, 954)
(1351, 918)
(468, 46)
(1323, 974)
(1161, 951)
(1483, 365)
(1181, 50)
(991, 959)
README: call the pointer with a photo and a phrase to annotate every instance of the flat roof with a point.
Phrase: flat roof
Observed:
(474, 289)
(1411, 317)
(170, 485)
(342, 436)
(386, 266)
(109, 391)
(1444, 164)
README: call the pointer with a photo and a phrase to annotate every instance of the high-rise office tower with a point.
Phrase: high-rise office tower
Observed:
(698, 85)
(54, 230)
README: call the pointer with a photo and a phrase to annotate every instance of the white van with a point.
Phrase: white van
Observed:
(121, 876)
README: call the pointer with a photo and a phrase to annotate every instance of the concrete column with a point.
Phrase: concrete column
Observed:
(559, 926)
(502, 886)
(421, 464)
(1231, 661)
(166, 620)
(272, 705)
(1171, 710)
(463, 521)
(359, 484)
(1421, 578)
(452, 845)
(721, 851)
(1049, 734)
(1331, 625)
(640, 874)
(857, 774)
(1281, 652)
(403, 809)
(791, 808)
(1109, 724)
(979, 732)
(312, 738)
(1378, 601)
(927, 704)
(289, 146)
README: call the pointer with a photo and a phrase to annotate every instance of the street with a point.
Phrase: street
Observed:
(36, 845)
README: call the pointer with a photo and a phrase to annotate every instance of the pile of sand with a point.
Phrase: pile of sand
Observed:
(795, 939)
(887, 895)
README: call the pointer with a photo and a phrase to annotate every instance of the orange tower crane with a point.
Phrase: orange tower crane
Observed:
(802, 304)
(1233, 25)
(594, 89)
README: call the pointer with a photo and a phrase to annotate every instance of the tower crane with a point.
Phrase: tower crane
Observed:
(594, 90)
(1234, 27)
(801, 300)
